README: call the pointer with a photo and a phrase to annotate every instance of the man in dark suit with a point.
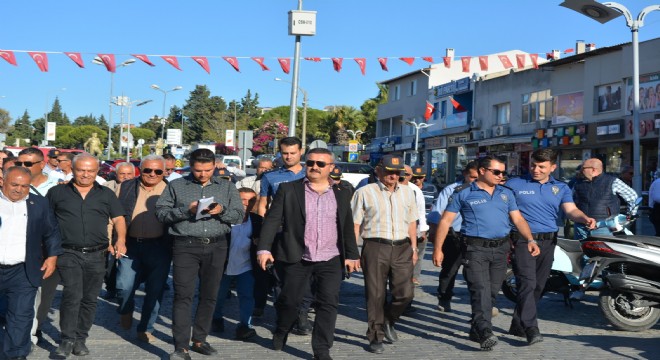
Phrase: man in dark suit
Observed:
(28, 233)
(317, 240)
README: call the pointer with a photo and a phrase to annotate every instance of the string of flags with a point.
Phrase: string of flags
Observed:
(41, 60)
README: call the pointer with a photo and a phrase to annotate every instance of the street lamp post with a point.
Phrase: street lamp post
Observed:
(354, 133)
(602, 12)
(128, 125)
(303, 136)
(417, 127)
(163, 121)
(97, 60)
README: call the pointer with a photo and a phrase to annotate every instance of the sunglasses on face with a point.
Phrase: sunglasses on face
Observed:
(149, 171)
(62, 160)
(497, 172)
(26, 163)
(169, 169)
(320, 164)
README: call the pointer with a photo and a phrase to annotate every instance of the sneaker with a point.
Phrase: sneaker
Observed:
(146, 337)
(390, 333)
(244, 332)
(203, 348)
(79, 348)
(180, 354)
(533, 335)
(488, 340)
(126, 321)
(65, 348)
(444, 305)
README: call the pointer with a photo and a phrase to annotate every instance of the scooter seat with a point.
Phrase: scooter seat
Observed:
(635, 239)
(569, 245)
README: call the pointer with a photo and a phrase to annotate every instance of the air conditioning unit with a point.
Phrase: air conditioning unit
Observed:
(475, 123)
(476, 135)
(501, 130)
(487, 133)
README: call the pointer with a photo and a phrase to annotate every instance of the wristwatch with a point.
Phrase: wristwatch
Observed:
(533, 241)
(415, 249)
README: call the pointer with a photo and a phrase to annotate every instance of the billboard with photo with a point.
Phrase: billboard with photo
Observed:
(649, 89)
(609, 97)
(569, 108)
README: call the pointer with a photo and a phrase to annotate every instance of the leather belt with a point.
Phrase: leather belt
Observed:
(389, 242)
(86, 250)
(200, 240)
(3, 266)
(489, 243)
(544, 236)
(140, 239)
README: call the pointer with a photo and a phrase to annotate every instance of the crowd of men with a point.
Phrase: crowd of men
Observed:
(292, 231)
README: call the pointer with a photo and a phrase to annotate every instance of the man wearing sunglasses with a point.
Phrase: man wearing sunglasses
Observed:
(540, 197)
(385, 216)
(149, 250)
(318, 241)
(488, 209)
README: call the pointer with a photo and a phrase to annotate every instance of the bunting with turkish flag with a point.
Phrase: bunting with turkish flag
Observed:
(41, 59)
(483, 63)
(447, 61)
(144, 59)
(465, 61)
(232, 61)
(172, 60)
(428, 58)
(567, 51)
(336, 63)
(505, 61)
(362, 62)
(457, 106)
(408, 60)
(535, 60)
(383, 63)
(520, 60)
(429, 111)
(203, 62)
(108, 61)
(285, 63)
(9, 56)
(549, 56)
(76, 57)
(260, 60)
(314, 59)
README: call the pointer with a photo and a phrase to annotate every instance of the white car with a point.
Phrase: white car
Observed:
(354, 172)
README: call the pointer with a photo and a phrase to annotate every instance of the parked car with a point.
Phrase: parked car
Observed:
(249, 162)
(108, 167)
(354, 172)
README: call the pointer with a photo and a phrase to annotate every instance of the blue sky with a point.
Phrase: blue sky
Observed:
(346, 28)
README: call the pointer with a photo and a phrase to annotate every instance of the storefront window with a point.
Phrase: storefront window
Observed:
(567, 169)
(439, 166)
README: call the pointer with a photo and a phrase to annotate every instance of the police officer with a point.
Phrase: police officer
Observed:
(539, 197)
(488, 209)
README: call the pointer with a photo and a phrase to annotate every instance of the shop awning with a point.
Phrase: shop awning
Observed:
(514, 139)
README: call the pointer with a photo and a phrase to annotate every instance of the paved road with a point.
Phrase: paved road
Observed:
(570, 333)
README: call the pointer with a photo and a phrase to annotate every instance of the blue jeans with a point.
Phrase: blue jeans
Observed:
(582, 232)
(149, 262)
(245, 289)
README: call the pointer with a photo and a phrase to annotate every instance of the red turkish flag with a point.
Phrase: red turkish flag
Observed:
(144, 58)
(336, 63)
(76, 57)
(41, 59)
(465, 61)
(314, 59)
(457, 106)
(447, 61)
(108, 61)
(408, 60)
(428, 58)
(520, 60)
(285, 63)
(232, 61)
(505, 61)
(9, 56)
(535, 60)
(568, 51)
(383, 63)
(172, 60)
(362, 62)
(203, 62)
(429, 111)
(260, 61)
(483, 62)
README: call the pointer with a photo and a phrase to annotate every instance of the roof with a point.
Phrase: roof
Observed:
(415, 72)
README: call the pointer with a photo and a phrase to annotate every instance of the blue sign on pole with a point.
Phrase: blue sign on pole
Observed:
(352, 157)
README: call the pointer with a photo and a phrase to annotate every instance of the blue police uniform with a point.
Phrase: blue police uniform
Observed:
(271, 180)
(539, 205)
(485, 230)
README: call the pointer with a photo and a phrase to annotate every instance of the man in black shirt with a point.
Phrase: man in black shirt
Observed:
(82, 208)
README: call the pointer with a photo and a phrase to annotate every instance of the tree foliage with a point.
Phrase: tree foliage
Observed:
(75, 137)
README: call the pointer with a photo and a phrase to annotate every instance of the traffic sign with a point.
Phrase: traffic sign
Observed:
(352, 157)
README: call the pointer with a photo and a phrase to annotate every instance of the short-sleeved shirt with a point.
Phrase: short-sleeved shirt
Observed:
(383, 213)
(539, 203)
(84, 222)
(440, 206)
(484, 215)
(271, 180)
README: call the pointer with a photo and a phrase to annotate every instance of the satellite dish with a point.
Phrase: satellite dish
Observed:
(318, 144)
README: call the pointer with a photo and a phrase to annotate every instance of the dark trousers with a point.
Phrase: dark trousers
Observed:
(484, 270)
(380, 263)
(296, 279)
(655, 218)
(264, 282)
(453, 258)
(110, 278)
(531, 274)
(82, 278)
(149, 262)
(20, 293)
(48, 291)
(193, 260)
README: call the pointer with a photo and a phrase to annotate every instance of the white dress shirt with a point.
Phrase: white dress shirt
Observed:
(13, 230)
(421, 208)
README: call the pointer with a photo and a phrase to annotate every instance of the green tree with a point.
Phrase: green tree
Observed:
(146, 134)
(86, 120)
(56, 115)
(370, 112)
(343, 118)
(76, 137)
(22, 127)
(5, 119)
(102, 123)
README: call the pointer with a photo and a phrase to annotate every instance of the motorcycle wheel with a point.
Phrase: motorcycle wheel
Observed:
(620, 311)
(509, 287)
